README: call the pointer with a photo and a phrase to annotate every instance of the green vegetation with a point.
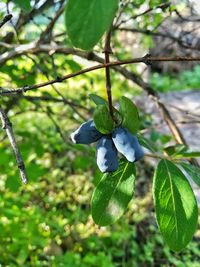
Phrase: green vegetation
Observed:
(185, 80)
(51, 220)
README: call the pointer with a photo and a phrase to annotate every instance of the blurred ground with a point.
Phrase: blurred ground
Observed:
(184, 107)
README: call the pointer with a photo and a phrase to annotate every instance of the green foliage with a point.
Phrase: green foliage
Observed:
(147, 143)
(112, 194)
(48, 222)
(130, 115)
(175, 205)
(90, 19)
(184, 80)
(181, 151)
(25, 4)
(98, 100)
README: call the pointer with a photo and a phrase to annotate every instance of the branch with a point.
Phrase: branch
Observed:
(171, 123)
(197, 19)
(115, 65)
(70, 103)
(5, 19)
(6, 124)
(180, 37)
(25, 18)
(162, 6)
(55, 100)
(107, 51)
(146, 60)
(50, 26)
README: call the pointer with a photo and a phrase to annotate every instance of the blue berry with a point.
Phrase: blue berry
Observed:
(86, 133)
(127, 144)
(106, 155)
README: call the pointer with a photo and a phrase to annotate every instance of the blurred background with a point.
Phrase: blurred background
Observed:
(47, 222)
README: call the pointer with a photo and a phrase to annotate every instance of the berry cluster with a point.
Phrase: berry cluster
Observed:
(107, 146)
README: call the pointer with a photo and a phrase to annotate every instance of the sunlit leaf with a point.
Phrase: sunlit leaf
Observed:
(98, 100)
(181, 151)
(87, 20)
(175, 205)
(113, 193)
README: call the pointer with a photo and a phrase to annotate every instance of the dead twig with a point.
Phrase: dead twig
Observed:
(6, 124)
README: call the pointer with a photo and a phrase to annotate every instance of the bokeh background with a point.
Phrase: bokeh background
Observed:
(47, 222)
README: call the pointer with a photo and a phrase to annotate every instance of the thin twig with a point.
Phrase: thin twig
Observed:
(6, 124)
(50, 115)
(107, 51)
(170, 34)
(115, 65)
(5, 20)
(54, 100)
(171, 123)
(162, 6)
(70, 103)
(146, 59)
(156, 156)
(50, 26)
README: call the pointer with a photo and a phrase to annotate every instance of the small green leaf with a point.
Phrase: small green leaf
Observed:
(175, 205)
(172, 150)
(130, 115)
(181, 151)
(98, 100)
(103, 120)
(147, 143)
(23, 4)
(192, 171)
(87, 20)
(189, 154)
(113, 193)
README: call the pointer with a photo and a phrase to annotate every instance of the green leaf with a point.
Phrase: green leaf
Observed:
(181, 151)
(87, 20)
(103, 120)
(130, 115)
(147, 143)
(189, 154)
(175, 205)
(98, 100)
(112, 194)
(176, 149)
(23, 4)
(192, 171)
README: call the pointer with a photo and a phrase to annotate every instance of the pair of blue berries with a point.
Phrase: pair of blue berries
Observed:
(120, 140)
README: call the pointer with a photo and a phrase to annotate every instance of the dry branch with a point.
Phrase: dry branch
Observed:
(6, 124)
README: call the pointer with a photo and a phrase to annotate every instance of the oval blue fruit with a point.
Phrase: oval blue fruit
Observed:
(127, 144)
(106, 155)
(86, 133)
(139, 153)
